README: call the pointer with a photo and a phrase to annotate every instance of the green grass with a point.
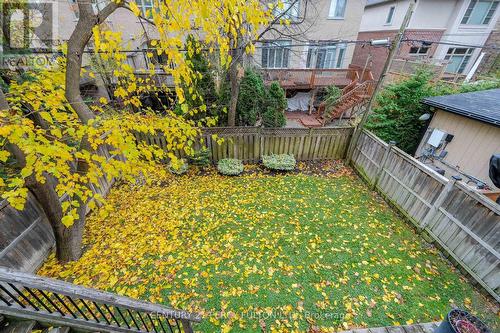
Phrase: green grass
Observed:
(296, 251)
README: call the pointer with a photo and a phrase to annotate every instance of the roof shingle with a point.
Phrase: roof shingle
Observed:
(480, 105)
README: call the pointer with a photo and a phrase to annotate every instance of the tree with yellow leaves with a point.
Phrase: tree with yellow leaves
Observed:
(56, 137)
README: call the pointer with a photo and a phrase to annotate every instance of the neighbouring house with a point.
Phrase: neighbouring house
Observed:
(490, 65)
(317, 36)
(463, 135)
(448, 33)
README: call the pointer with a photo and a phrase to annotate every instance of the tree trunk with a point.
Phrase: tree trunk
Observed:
(235, 90)
(234, 79)
(69, 239)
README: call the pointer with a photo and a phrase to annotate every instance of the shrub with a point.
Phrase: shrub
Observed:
(276, 97)
(398, 108)
(274, 115)
(178, 166)
(283, 162)
(332, 95)
(250, 98)
(273, 118)
(230, 167)
(200, 158)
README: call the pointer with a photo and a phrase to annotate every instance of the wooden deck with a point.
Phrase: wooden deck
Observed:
(289, 78)
(417, 328)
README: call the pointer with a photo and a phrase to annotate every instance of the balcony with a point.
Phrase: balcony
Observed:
(302, 79)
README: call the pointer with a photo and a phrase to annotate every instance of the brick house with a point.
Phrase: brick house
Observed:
(459, 26)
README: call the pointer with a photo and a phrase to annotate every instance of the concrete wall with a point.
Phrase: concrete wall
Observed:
(471, 148)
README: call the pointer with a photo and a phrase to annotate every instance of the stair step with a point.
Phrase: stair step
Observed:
(25, 326)
(64, 329)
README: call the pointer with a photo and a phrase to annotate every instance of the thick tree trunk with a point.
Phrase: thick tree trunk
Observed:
(235, 90)
(69, 239)
(234, 80)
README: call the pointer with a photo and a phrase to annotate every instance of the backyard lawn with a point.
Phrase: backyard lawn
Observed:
(263, 252)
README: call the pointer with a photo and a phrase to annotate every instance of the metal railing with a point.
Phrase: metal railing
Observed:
(60, 303)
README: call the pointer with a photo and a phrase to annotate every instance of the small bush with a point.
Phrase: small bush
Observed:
(200, 158)
(283, 162)
(274, 115)
(230, 167)
(251, 98)
(178, 166)
(332, 96)
(273, 118)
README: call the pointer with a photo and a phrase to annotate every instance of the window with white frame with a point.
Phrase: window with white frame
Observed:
(275, 54)
(480, 12)
(144, 6)
(390, 15)
(419, 51)
(458, 58)
(290, 9)
(327, 56)
(337, 9)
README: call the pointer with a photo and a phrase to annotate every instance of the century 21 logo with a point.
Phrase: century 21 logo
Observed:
(26, 26)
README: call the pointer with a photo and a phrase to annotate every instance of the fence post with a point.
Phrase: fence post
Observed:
(261, 144)
(431, 214)
(382, 164)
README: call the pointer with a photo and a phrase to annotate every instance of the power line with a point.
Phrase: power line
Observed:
(452, 43)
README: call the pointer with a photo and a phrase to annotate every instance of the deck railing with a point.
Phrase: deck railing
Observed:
(300, 78)
(60, 303)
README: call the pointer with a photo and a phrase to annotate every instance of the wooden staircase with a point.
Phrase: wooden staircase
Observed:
(353, 97)
(31, 303)
(12, 325)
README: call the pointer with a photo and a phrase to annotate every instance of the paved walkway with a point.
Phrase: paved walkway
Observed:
(417, 328)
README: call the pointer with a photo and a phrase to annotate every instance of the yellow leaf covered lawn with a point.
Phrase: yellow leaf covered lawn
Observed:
(262, 252)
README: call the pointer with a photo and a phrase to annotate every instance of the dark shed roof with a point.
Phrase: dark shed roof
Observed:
(480, 105)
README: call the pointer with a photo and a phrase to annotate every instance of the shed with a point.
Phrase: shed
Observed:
(463, 134)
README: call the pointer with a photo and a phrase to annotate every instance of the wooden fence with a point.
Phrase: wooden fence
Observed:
(465, 224)
(26, 237)
(250, 143)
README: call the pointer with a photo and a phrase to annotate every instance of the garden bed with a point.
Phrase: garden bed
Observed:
(310, 249)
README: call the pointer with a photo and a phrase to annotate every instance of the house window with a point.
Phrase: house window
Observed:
(290, 9)
(144, 6)
(328, 56)
(458, 59)
(417, 51)
(480, 12)
(390, 15)
(337, 9)
(275, 54)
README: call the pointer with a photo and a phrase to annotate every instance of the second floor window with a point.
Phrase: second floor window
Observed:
(145, 6)
(390, 15)
(480, 12)
(416, 51)
(328, 56)
(458, 59)
(275, 54)
(290, 9)
(337, 9)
